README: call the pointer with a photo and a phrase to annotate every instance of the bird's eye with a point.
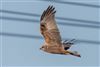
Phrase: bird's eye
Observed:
(42, 46)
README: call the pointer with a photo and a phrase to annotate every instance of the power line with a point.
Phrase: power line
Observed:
(60, 18)
(39, 37)
(61, 23)
(72, 3)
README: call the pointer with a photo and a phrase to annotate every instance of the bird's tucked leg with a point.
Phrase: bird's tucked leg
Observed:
(74, 53)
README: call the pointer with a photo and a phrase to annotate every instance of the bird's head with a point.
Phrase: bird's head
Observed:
(43, 48)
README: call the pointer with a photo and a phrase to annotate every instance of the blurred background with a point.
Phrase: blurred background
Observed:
(21, 39)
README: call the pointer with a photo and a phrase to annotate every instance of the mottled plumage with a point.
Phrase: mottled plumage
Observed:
(49, 30)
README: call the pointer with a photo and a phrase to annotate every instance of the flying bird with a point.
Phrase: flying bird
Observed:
(53, 42)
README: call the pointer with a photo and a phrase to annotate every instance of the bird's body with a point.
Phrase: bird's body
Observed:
(53, 42)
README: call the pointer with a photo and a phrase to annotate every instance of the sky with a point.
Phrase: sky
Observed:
(21, 38)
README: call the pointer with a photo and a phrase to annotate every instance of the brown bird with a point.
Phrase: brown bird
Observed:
(53, 42)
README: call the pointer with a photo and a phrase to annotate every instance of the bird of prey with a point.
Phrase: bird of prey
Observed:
(53, 42)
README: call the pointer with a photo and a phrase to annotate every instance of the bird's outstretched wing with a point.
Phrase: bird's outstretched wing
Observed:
(48, 27)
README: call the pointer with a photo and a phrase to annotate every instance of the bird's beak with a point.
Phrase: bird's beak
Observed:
(40, 48)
